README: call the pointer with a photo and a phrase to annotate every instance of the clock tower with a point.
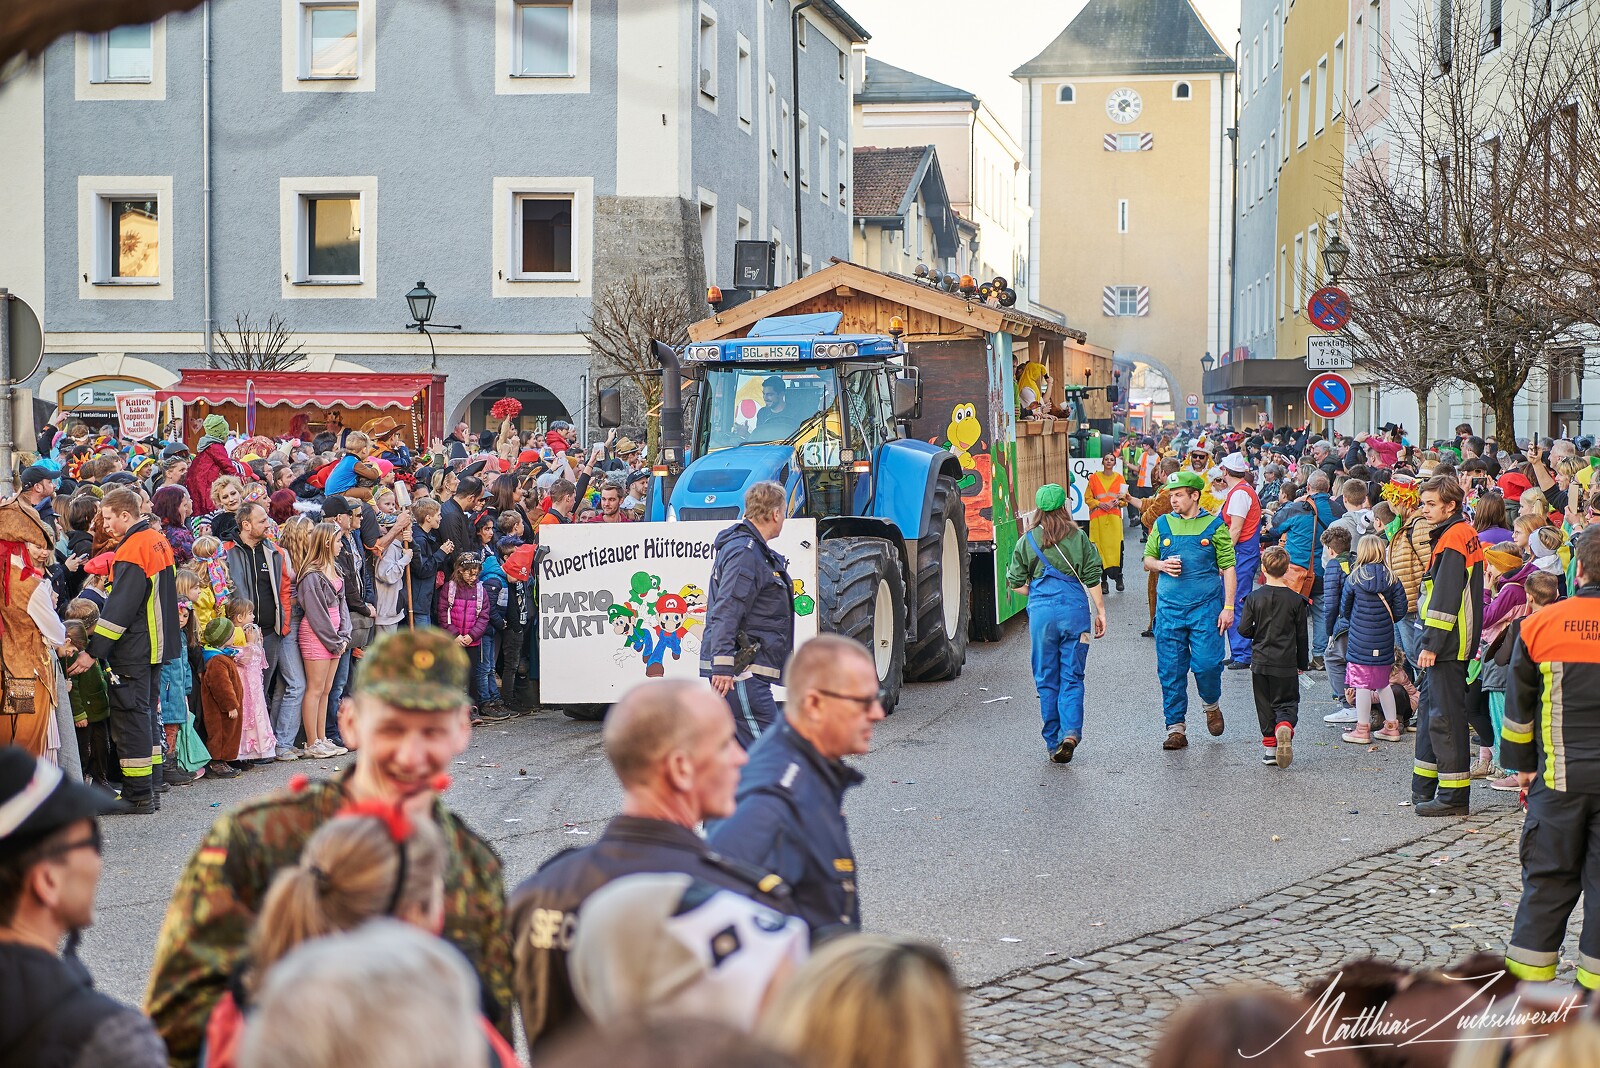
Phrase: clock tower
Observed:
(1128, 112)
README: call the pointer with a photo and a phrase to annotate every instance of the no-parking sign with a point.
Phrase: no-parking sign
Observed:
(1329, 395)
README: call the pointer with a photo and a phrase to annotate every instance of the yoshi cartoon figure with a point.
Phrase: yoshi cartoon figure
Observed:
(961, 437)
(642, 586)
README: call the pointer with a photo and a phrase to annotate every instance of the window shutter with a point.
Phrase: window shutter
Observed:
(1111, 142)
(1144, 300)
(1108, 300)
(1147, 141)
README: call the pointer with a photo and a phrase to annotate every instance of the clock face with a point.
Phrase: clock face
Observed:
(1123, 105)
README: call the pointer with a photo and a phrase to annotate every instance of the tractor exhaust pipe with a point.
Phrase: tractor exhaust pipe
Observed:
(671, 404)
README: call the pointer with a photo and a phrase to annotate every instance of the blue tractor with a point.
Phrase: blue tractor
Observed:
(823, 414)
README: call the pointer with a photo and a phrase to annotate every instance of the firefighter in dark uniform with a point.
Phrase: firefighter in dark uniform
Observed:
(749, 613)
(790, 817)
(137, 633)
(1450, 609)
(1551, 739)
(671, 743)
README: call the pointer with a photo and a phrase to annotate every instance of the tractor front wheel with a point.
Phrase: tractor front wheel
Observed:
(863, 597)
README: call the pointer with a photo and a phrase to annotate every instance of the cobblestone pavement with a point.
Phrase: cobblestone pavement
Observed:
(1432, 902)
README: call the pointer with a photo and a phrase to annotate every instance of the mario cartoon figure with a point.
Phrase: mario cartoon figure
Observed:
(669, 628)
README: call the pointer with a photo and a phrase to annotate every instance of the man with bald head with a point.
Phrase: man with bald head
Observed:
(671, 743)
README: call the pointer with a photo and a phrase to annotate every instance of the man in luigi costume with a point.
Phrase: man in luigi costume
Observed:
(409, 718)
(50, 1012)
(1192, 555)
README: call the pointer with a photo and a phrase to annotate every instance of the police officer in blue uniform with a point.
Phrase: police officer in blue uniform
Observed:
(790, 815)
(749, 613)
(671, 743)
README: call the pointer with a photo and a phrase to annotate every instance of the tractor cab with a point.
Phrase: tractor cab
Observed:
(793, 402)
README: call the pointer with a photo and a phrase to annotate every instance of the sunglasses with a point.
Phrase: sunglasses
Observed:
(94, 842)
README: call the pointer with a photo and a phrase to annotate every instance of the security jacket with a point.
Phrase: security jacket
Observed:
(1552, 720)
(751, 592)
(139, 624)
(1450, 604)
(544, 907)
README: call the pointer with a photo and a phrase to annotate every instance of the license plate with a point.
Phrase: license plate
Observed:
(770, 352)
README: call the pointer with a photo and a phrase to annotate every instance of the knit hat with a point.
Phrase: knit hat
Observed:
(216, 427)
(670, 945)
(1190, 480)
(1502, 560)
(1050, 498)
(218, 632)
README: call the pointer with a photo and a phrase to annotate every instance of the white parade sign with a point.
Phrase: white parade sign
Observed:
(1328, 352)
(138, 415)
(1081, 469)
(620, 603)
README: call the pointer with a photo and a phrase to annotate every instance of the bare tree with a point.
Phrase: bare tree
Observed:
(624, 318)
(1454, 206)
(263, 347)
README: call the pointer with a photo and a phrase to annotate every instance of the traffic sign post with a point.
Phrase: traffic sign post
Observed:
(1328, 352)
(1193, 400)
(1192, 413)
(1329, 395)
(1329, 309)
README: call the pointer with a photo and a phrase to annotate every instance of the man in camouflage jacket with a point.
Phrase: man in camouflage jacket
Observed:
(407, 681)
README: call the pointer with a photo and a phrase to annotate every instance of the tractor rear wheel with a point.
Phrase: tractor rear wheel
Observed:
(944, 591)
(863, 597)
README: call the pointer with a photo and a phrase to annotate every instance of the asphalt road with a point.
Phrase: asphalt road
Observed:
(964, 832)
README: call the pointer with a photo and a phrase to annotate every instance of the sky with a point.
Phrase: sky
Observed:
(969, 46)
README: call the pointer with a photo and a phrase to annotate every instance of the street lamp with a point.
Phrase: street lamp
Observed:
(1207, 362)
(421, 300)
(1335, 256)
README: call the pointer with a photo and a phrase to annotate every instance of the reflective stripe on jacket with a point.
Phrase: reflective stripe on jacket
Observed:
(1552, 720)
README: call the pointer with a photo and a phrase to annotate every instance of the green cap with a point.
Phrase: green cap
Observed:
(1187, 480)
(1050, 498)
(421, 670)
(216, 427)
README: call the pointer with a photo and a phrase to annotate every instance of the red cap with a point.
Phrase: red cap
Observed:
(100, 565)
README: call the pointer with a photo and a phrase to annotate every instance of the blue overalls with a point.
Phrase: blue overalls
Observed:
(1246, 559)
(1058, 624)
(1187, 607)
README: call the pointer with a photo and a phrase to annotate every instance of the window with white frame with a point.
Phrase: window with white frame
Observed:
(1127, 300)
(543, 235)
(1374, 45)
(1322, 94)
(844, 66)
(824, 151)
(1303, 134)
(1130, 142)
(543, 44)
(1338, 87)
(1277, 37)
(708, 234)
(708, 53)
(742, 229)
(130, 227)
(1066, 95)
(123, 55)
(805, 149)
(330, 238)
(805, 264)
(843, 160)
(1122, 216)
(786, 135)
(1182, 91)
(800, 31)
(330, 42)
(1283, 124)
(747, 86)
(1283, 282)
(1313, 264)
(772, 117)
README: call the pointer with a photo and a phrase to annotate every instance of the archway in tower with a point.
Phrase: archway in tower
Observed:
(1151, 393)
(540, 407)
